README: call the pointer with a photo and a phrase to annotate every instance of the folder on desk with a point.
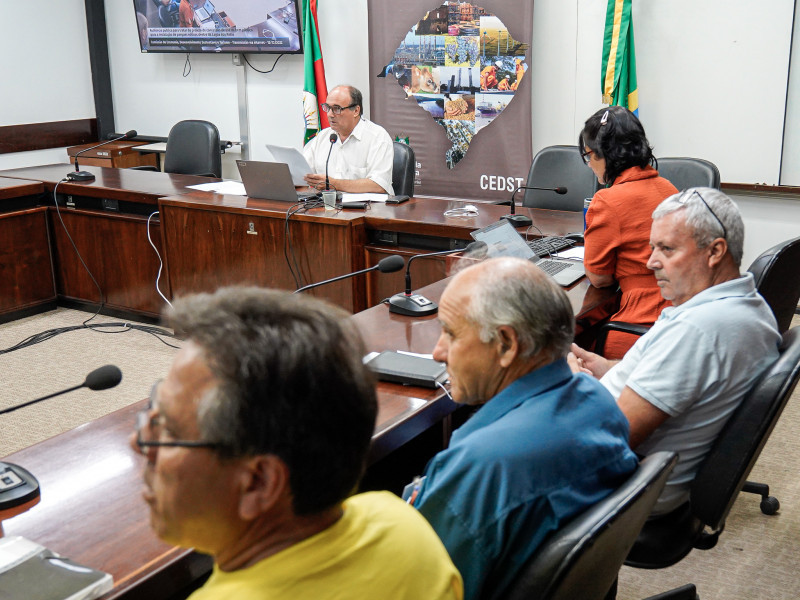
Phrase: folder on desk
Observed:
(396, 367)
(28, 570)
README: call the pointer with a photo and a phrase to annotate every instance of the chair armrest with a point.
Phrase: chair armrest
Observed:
(144, 168)
(621, 326)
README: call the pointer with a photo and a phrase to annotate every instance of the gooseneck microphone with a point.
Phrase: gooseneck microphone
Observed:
(17, 485)
(390, 264)
(416, 305)
(327, 180)
(78, 175)
(521, 220)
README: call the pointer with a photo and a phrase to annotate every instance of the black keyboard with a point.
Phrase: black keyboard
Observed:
(549, 245)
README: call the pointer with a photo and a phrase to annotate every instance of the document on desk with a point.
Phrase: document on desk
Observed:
(234, 188)
(298, 165)
(575, 253)
(28, 570)
(367, 197)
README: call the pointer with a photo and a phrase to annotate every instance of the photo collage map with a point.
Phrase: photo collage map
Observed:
(461, 65)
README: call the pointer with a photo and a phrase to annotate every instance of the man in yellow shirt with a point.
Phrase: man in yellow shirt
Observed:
(255, 439)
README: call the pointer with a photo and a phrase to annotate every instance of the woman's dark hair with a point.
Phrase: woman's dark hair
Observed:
(615, 134)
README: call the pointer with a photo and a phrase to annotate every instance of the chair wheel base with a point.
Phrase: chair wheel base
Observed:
(770, 505)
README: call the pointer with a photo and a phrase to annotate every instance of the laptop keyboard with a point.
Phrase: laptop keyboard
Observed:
(549, 245)
(551, 267)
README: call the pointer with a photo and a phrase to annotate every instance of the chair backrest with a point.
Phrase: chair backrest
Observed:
(777, 277)
(685, 172)
(559, 166)
(193, 149)
(727, 466)
(582, 559)
(403, 168)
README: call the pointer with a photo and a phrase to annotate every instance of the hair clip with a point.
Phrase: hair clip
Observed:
(604, 118)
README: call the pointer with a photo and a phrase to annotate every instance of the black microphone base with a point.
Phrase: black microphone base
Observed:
(519, 220)
(17, 487)
(81, 176)
(412, 305)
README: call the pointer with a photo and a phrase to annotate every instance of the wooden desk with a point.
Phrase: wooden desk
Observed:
(91, 509)
(119, 155)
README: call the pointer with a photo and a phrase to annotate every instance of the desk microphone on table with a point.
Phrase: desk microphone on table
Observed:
(521, 220)
(327, 181)
(415, 305)
(390, 264)
(17, 485)
(78, 175)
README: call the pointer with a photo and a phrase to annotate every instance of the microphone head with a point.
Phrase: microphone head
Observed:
(560, 190)
(333, 138)
(131, 134)
(390, 264)
(103, 378)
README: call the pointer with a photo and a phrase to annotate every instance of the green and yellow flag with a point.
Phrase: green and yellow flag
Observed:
(618, 82)
(315, 90)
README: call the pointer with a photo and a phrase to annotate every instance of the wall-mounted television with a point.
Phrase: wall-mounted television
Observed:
(212, 26)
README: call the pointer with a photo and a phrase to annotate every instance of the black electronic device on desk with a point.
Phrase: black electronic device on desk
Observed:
(397, 367)
(550, 244)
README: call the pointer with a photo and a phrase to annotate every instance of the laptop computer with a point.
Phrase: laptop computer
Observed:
(270, 181)
(503, 240)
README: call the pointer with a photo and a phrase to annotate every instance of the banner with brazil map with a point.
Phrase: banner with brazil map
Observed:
(450, 77)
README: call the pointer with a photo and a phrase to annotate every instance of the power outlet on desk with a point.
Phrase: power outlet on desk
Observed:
(109, 204)
(237, 59)
(70, 202)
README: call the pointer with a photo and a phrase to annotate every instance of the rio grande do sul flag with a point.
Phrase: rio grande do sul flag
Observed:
(315, 90)
(618, 76)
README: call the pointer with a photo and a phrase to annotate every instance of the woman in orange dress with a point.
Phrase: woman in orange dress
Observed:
(617, 236)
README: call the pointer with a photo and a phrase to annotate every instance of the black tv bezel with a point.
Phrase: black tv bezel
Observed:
(255, 50)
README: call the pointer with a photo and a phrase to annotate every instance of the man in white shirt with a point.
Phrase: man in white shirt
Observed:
(361, 154)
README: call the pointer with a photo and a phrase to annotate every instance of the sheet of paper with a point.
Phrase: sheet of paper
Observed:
(298, 166)
(235, 188)
(347, 197)
(576, 253)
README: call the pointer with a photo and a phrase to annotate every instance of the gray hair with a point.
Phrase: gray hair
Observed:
(289, 382)
(518, 294)
(702, 217)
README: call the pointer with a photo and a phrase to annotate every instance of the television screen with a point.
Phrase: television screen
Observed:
(219, 26)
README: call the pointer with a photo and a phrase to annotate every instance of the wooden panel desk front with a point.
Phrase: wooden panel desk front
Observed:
(91, 508)
(120, 155)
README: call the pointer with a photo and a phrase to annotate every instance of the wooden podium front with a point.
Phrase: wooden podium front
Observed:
(120, 155)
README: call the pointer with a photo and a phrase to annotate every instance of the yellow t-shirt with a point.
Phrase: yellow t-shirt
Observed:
(380, 548)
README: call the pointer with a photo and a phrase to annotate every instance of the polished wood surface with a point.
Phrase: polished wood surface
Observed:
(40, 136)
(26, 268)
(119, 155)
(15, 188)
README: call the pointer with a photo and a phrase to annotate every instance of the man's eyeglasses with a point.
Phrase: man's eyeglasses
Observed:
(684, 198)
(585, 154)
(149, 428)
(335, 109)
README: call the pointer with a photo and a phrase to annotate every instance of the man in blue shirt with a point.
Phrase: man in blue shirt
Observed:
(545, 445)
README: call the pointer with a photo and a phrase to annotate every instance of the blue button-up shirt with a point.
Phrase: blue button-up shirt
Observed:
(545, 448)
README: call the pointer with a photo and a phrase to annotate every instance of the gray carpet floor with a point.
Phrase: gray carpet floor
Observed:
(757, 556)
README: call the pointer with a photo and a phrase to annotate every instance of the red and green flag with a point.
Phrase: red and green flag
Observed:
(618, 77)
(315, 91)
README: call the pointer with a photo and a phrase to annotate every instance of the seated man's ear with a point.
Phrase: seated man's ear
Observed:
(508, 345)
(264, 486)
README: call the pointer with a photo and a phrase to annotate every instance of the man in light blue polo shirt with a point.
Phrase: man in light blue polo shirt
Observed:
(682, 380)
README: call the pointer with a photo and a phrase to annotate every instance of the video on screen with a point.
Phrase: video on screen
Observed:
(220, 26)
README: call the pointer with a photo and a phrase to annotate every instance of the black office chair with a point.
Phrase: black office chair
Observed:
(193, 148)
(689, 172)
(582, 559)
(559, 166)
(403, 168)
(777, 275)
(698, 523)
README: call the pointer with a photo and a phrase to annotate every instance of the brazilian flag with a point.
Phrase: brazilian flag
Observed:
(618, 77)
(315, 90)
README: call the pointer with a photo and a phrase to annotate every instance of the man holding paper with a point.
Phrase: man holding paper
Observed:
(361, 154)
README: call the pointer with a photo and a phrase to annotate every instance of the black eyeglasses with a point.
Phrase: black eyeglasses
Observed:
(684, 198)
(585, 154)
(149, 424)
(335, 109)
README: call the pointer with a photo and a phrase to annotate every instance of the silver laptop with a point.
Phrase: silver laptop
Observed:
(269, 181)
(502, 239)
